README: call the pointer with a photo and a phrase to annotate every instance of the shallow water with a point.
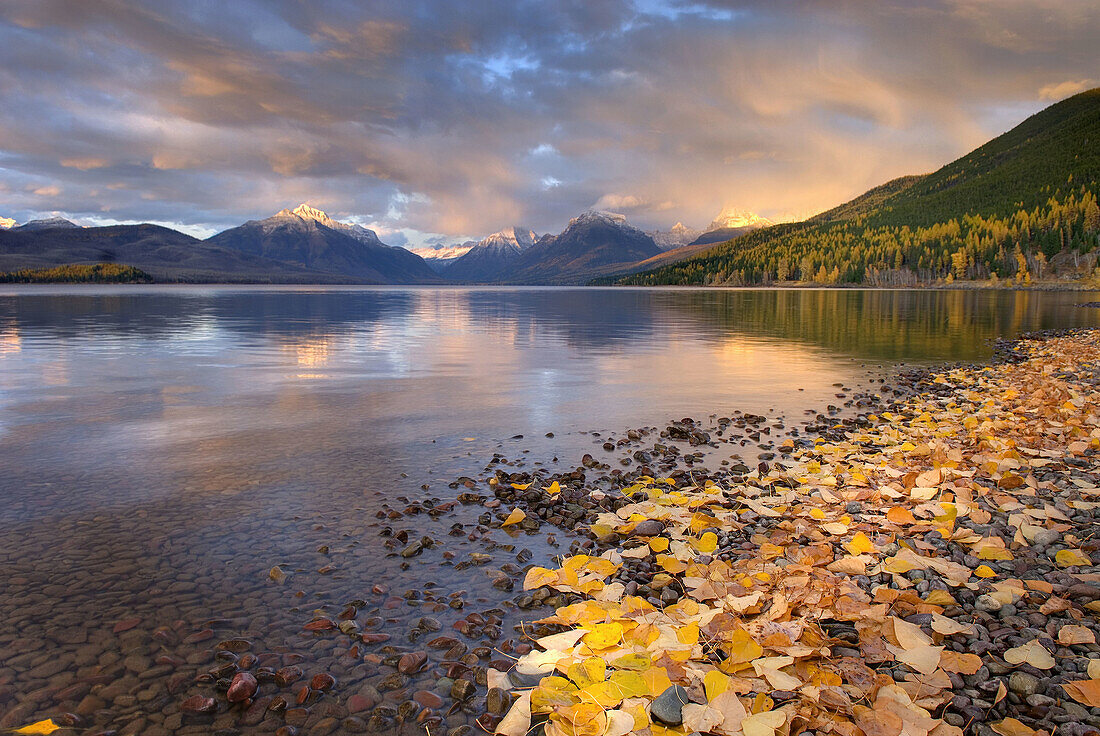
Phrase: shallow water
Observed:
(161, 448)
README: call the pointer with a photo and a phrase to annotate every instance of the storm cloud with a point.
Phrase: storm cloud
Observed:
(457, 119)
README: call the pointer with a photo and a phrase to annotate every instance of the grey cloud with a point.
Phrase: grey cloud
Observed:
(446, 118)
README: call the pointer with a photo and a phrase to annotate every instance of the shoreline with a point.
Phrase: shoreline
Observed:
(883, 563)
(1057, 286)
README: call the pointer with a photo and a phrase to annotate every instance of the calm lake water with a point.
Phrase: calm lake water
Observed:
(161, 448)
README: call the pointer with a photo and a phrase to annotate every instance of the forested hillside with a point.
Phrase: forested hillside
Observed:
(1016, 208)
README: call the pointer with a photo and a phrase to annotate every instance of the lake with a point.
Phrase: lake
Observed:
(163, 448)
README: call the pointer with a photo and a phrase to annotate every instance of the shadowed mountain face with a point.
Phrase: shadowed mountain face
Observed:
(308, 238)
(162, 253)
(589, 246)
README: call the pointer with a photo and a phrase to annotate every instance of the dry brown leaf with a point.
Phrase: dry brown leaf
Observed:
(1012, 727)
(924, 659)
(960, 662)
(1033, 653)
(877, 722)
(1071, 634)
(1084, 691)
(910, 636)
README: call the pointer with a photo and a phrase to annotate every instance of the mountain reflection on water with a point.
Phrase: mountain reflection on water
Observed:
(283, 385)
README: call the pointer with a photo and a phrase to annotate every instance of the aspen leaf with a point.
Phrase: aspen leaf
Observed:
(658, 544)
(630, 684)
(900, 515)
(604, 636)
(732, 710)
(1071, 557)
(860, 544)
(560, 642)
(688, 634)
(1070, 635)
(741, 647)
(39, 728)
(910, 636)
(947, 627)
(518, 720)
(619, 723)
(1094, 669)
(656, 679)
(924, 659)
(994, 553)
(587, 672)
(515, 517)
(877, 722)
(1033, 653)
(1012, 727)
(538, 577)
(552, 692)
(670, 564)
(835, 528)
(1086, 692)
(553, 489)
(715, 683)
(939, 598)
(763, 724)
(582, 719)
(984, 571)
(962, 663)
(700, 718)
(636, 661)
(707, 543)
(606, 694)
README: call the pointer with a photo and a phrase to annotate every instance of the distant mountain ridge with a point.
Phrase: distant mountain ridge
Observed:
(676, 236)
(309, 238)
(591, 243)
(303, 243)
(49, 223)
(165, 254)
(490, 257)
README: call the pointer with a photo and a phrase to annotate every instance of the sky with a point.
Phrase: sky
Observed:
(438, 121)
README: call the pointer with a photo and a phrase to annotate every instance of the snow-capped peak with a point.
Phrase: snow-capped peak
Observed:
(516, 237)
(48, 223)
(306, 212)
(732, 217)
(612, 217)
(679, 234)
(6, 223)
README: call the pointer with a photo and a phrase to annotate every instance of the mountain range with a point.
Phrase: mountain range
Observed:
(305, 245)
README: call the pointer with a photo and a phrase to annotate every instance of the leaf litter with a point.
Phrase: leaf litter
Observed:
(831, 620)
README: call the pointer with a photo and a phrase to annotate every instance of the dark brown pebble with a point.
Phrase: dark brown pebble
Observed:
(241, 688)
(297, 716)
(288, 675)
(412, 662)
(235, 645)
(198, 704)
(322, 681)
(428, 699)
